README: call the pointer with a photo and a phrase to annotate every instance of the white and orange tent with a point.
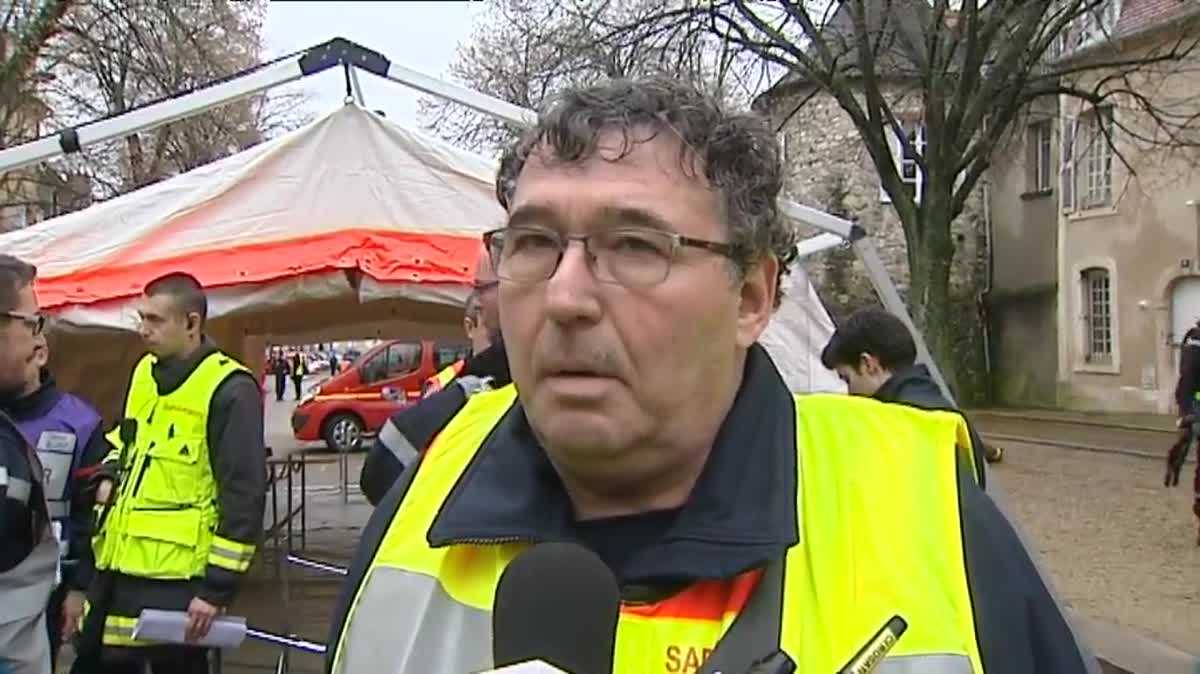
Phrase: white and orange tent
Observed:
(352, 226)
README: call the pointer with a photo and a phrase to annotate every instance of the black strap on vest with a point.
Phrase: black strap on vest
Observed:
(754, 634)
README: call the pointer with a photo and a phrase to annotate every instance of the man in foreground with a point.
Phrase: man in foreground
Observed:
(639, 265)
(874, 353)
(66, 433)
(184, 488)
(410, 430)
(28, 550)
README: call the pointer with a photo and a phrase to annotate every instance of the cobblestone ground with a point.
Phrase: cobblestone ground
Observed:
(1117, 545)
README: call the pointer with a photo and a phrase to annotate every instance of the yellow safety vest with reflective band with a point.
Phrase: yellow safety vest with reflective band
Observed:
(880, 536)
(443, 378)
(162, 525)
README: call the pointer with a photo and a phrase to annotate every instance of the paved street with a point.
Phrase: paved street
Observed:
(1118, 546)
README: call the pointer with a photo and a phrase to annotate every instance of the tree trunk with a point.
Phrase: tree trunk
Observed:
(929, 273)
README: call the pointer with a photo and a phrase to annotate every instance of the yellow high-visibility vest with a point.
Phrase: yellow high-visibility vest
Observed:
(880, 536)
(162, 524)
(443, 378)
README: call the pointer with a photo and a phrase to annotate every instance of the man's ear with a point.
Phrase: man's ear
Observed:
(757, 300)
(868, 364)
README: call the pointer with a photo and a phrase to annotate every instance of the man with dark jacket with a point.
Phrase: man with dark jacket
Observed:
(184, 488)
(28, 551)
(410, 430)
(875, 355)
(68, 436)
(1186, 392)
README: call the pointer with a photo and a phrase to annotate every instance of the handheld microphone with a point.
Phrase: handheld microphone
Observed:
(557, 603)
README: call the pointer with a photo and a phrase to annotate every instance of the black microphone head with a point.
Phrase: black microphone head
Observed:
(556, 602)
(128, 432)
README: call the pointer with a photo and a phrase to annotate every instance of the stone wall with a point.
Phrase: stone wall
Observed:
(828, 167)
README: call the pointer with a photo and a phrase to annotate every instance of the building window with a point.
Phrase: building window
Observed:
(905, 157)
(910, 171)
(1096, 188)
(1099, 21)
(1040, 139)
(1097, 317)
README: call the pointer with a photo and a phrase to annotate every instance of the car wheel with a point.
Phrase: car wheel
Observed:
(344, 432)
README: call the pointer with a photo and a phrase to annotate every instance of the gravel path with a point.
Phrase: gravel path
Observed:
(1117, 545)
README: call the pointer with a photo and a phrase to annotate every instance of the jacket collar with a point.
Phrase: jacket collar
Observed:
(170, 373)
(36, 404)
(741, 514)
(912, 384)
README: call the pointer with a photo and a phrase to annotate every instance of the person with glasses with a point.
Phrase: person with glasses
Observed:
(28, 550)
(68, 436)
(410, 430)
(744, 525)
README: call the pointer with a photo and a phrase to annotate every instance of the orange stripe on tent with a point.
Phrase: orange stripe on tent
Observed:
(385, 256)
(705, 600)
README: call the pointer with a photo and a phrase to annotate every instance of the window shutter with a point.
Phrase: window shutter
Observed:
(897, 156)
(1067, 163)
(918, 144)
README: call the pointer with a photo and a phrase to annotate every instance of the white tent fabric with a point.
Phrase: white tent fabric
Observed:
(347, 191)
(800, 328)
(350, 226)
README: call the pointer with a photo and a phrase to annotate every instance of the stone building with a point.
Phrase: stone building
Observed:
(1097, 249)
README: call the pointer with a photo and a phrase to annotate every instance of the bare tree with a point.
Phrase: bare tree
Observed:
(969, 71)
(117, 55)
(523, 50)
(26, 29)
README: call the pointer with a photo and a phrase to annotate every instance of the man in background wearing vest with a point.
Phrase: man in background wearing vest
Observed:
(67, 435)
(186, 483)
(480, 323)
(411, 429)
(28, 550)
(639, 266)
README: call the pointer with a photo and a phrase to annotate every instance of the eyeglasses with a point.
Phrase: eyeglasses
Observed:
(634, 257)
(36, 322)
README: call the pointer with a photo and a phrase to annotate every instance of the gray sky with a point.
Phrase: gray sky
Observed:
(420, 35)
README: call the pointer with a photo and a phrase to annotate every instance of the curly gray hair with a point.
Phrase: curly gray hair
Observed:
(738, 153)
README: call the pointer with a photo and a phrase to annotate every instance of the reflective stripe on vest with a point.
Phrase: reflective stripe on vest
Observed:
(443, 378)
(118, 629)
(17, 489)
(162, 524)
(853, 569)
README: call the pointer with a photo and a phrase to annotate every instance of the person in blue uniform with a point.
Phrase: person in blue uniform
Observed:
(67, 435)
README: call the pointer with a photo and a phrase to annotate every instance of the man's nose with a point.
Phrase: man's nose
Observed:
(571, 292)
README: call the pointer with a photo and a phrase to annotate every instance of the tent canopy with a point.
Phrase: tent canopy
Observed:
(280, 224)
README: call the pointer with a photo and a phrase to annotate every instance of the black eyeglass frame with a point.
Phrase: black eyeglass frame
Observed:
(36, 322)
